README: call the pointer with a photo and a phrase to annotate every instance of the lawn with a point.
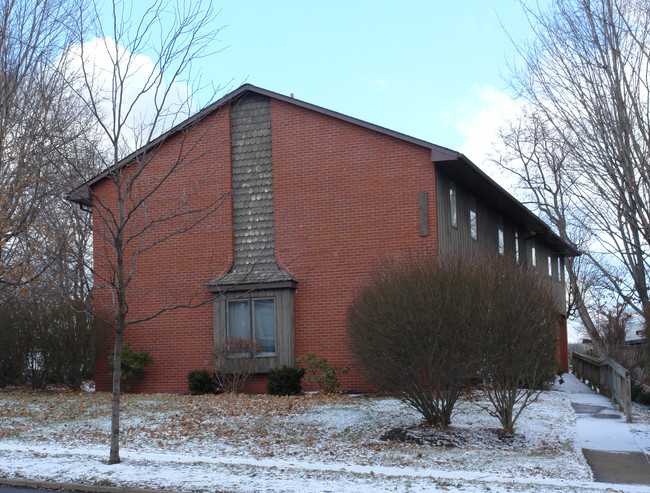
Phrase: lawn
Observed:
(265, 443)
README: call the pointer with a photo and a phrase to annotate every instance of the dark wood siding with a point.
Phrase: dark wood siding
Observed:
(453, 240)
(458, 239)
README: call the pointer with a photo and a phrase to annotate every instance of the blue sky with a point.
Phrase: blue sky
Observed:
(431, 69)
(435, 70)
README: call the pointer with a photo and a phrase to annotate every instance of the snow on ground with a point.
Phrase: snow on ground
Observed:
(306, 443)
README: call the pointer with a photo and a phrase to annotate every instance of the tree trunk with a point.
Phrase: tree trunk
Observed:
(585, 316)
(114, 457)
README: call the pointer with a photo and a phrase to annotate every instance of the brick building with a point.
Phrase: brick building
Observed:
(306, 202)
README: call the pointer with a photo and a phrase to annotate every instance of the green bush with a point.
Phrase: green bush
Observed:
(640, 395)
(285, 380)
(202, 382)
(133, 364)
(321, 372)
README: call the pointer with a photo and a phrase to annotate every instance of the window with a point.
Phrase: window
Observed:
(533, 254)
(253, 319)
(502, 246)
(559, 268)
(473, 222)
(452, 205)
(516, 245)
(549, 265)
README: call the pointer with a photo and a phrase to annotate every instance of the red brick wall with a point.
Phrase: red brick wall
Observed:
(176, 271)
(345, 198)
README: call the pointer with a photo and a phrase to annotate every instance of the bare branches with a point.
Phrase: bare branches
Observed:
(33, 126)
(134, 74)
(582, 149)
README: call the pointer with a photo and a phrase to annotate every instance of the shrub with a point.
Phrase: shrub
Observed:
(319, 371)
(411, 329)
(518, 323)
(234, 361)
(640, 395)
(285, 380)
(133, 365)
(46, 342)
(424, 327)
(202, 382)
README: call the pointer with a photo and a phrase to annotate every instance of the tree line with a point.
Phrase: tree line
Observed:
(581, 151)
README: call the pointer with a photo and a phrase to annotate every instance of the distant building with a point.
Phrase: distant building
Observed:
(635, 331)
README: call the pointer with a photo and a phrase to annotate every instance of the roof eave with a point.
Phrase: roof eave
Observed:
(459, 165)
(234, 95)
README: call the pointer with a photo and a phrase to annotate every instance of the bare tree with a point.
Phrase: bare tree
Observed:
(535, 153)
(132, 103)
(583, 149)
(35, 119)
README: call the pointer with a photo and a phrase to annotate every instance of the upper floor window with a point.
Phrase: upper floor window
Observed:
(559, 268)
(533, 253)
(473, 220)
(549, 264)
(253, 319)
(502, 246)
(452, 204)
(516, 245)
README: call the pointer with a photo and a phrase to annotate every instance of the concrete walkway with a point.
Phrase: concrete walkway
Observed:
(610, 449)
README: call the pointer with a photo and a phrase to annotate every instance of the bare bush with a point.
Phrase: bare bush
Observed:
(424, 328)
(234, 361)
(517, 333)
(410, 328)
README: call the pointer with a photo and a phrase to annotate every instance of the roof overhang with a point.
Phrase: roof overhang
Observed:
(459, 168)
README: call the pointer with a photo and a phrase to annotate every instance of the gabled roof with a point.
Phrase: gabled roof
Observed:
(450, 162)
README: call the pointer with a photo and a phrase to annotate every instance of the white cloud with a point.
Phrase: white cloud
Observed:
(129, 90)
(478, 120)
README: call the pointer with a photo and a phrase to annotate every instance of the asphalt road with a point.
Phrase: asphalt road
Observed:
(5, 489)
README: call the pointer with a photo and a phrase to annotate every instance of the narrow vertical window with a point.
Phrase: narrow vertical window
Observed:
(559, 268)
(473, 220)
(239, 319)
(452, 205)
(549, 265)
(516, 245)
(533, 253)
(502, 246)
(264, 322)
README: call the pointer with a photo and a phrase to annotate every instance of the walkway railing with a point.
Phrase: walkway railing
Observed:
(608, 376)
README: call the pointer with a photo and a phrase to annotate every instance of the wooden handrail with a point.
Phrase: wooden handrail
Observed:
(607, 375)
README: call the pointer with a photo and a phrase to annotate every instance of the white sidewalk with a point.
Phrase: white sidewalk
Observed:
(600, 424)
(605, 438)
